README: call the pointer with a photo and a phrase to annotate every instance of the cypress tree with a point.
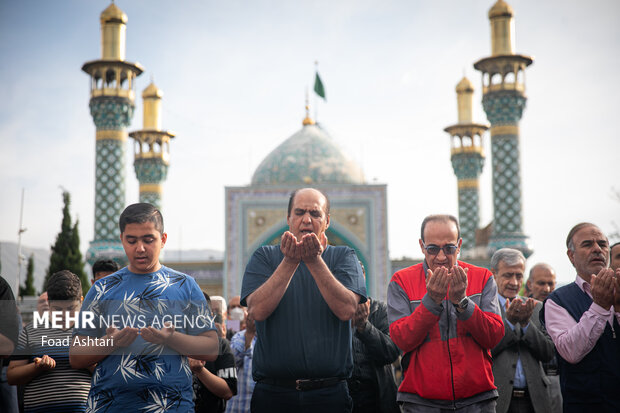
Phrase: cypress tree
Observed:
(28, 288)
(66, 253)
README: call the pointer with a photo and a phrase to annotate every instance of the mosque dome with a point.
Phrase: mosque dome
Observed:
(501, 8)
(308, 157)
(464, 85)
(111, 13)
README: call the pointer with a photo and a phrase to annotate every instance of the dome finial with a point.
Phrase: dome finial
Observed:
(308, 120)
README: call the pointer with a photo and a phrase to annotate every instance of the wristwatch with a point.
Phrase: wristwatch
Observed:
(462, 305)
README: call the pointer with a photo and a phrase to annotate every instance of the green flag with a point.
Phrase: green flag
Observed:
(318, 87)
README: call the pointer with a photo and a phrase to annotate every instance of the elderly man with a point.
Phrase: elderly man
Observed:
(445, 317)
(519, 376)
(302, 295)
(614, 251)
(541, 281)
(583, 319)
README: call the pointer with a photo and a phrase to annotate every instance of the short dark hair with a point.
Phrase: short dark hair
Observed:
(292, 198)
(614, 245)
(105, 265)
(139, 214)
(573, 231)
(64, 286)
(443, 218)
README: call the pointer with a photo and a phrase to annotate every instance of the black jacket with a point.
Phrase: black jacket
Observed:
(382, 352)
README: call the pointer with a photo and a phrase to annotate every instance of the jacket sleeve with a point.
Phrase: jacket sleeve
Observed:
(409, 329)
(485, 323)
(375, 336)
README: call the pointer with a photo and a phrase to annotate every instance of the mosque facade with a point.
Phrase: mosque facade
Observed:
(256, 214)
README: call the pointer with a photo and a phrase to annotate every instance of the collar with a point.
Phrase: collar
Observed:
(583, 285)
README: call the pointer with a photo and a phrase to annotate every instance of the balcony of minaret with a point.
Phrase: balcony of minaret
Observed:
(149, 147)
(467, 145)
(113, 80)
(501, 73)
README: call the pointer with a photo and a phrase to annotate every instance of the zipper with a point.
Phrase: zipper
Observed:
(450, 358)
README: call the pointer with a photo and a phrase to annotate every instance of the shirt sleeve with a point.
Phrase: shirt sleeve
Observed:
(347, 270)
(408, 326)
(225, 366)
(574, 340)
(198, 312)
(9, 322)
(485, 324)
(23, 351)
(259, 269)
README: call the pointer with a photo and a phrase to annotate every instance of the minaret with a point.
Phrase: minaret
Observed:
(503, 90)
(112, 98)
(151, 148)
(467, 156)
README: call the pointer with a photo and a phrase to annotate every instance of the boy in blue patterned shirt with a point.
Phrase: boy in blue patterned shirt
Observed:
(148, 318)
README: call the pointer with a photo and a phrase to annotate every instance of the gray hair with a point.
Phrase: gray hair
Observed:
(508, 256)
(569, 239)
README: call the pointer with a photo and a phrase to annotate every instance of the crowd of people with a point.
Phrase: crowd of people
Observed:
(304, 336)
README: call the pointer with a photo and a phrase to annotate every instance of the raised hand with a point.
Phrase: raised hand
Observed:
(437, 284)
(290, 247)
(603, 288)
(361, 315)
(526, 311)
(195, 365)
(617, 292)
(44, 363)
(310, 246)
(158, 336)
(519, 311)
(122, 338)
(458, 284)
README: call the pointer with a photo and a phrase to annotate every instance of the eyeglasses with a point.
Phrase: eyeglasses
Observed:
(433, 249)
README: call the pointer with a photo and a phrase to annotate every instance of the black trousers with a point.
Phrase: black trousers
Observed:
(268, 398)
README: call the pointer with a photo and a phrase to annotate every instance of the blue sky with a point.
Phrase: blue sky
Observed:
(234, 76)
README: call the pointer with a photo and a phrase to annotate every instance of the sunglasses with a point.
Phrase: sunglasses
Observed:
(433, 249)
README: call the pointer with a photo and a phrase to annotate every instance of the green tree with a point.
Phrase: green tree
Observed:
(28, 288)
(66, 254)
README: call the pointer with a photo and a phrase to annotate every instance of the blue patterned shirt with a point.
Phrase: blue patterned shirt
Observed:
(144, 377)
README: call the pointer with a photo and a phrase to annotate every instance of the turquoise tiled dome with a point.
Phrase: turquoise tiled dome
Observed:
(308, 157)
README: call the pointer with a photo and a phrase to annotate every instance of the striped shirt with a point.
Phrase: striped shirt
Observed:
(245, 384)
(61, 389)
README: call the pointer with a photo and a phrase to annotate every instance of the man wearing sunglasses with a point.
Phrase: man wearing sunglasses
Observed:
(445, 317)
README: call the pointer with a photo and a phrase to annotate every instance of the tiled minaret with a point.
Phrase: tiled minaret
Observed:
(112, 98)
(503, 89)
(467, 156)
(151, 148)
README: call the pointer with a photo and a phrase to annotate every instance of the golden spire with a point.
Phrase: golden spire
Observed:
(465, 100)
(151, 103)
(502, 29)
(308, 120)
(113, 29)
